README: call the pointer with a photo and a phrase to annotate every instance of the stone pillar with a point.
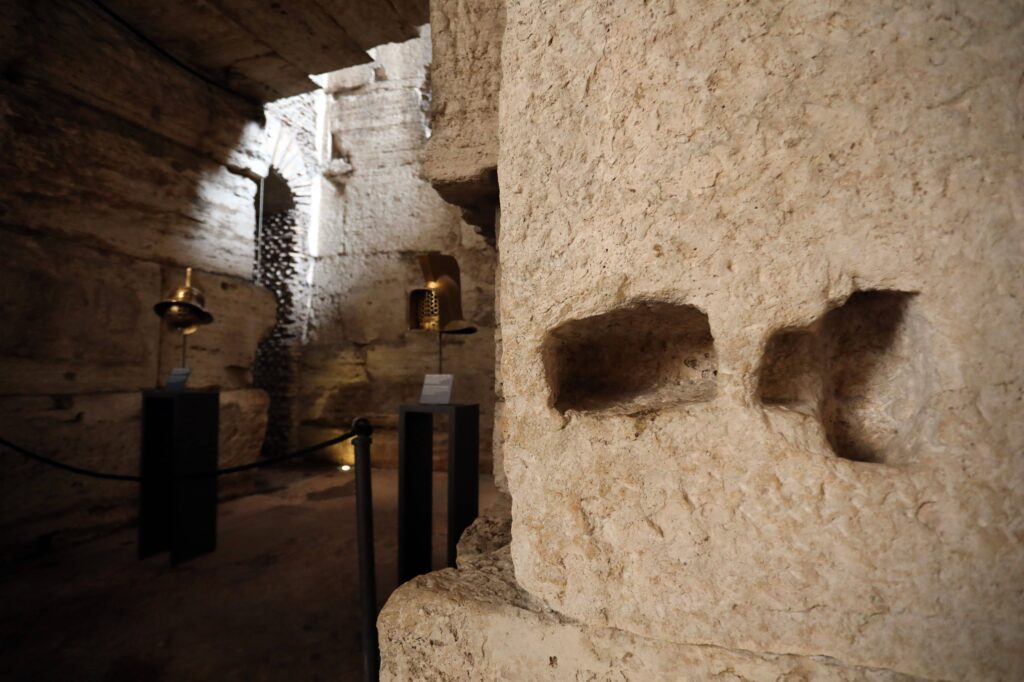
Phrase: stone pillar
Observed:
(761, 305)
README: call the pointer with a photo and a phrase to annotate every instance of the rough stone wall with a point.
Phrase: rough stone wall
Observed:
(376, 215)
(761, 305)
(462, 156)
(804, 222)
(477, 623)
(119, 169)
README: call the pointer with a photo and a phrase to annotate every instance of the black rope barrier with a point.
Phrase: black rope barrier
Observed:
(104, 475)
(362, 432)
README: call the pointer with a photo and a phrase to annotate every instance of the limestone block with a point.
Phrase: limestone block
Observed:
(462, 154)
(389, 209)
(477, 624)
(248, 61)
(97, 431)
(83, 53)
(838, 190)
(396, 65)
(199, 34)
(302, 32)
(379, 130)
(76, 320)
(497, 446)
(243, 422)
(361, 299)
(386, 376)
(220, 354)
(465, 78)
(122, 189)
(378, 125)
(377, 216)
(498, 438)
(407, 62)
(351, 78)
(323, 372)
(379, 22)
(490, 532)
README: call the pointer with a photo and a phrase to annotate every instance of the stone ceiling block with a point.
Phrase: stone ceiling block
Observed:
(58, 43)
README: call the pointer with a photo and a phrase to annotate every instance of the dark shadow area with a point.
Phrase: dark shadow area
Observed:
(634, 359)
(855, 369)
(277, 600)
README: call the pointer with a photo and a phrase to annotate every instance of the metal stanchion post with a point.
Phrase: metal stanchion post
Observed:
(367, 564)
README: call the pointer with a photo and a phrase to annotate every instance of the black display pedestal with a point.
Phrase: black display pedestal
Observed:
(415, 454)
(177, 510)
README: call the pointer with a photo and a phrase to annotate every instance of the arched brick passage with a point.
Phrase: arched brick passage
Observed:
(282, 265)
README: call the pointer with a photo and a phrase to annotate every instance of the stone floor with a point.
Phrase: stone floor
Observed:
(278, 600)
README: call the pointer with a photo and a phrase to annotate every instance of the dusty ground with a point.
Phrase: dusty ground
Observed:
(278, 600)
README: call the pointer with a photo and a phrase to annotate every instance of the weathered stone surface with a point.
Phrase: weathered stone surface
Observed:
(82, 52)
(243, 421)
(359, 298)
(220, 354)
(97, 431)
(379, 128)
(118, 165)
(197, 33)
(244, 54)
(490, 532)
(764, 164)
(465, 79)
(375, 23)
(302, 32)
(476, 623)
(497, 447)
(121, 188)
(76, 320)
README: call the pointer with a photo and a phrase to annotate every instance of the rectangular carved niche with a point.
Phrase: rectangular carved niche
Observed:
(859, 369)
(643, 357)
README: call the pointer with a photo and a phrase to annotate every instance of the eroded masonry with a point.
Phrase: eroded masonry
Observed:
(760, 373)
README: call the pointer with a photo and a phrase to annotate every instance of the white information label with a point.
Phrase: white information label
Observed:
(437, 389)
(177, 379)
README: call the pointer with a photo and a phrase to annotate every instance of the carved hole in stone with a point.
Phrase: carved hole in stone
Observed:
(790, 374)
(859, 369)
(634, 359)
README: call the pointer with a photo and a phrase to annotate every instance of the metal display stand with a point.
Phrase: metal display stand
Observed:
(415, 454)
(177, 507)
